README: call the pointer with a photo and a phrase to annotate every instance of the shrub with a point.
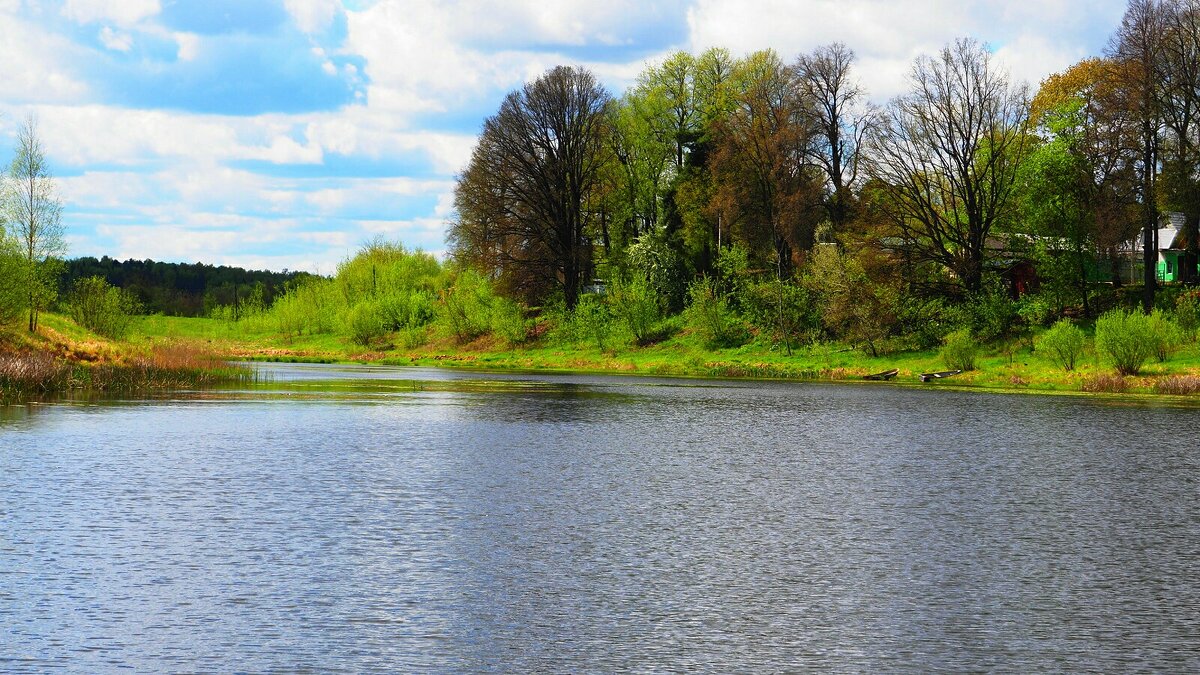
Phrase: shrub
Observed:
(1063, 343)
(854, 306)
(1164, 335)
(960, 350)
(465, 310)
(102, 308)
(365, 323)
(590, 321)
(637, 306)
(1187, 313)
(508, 321)
(992, 314)
(760, 303)
(708, 316)
(1126, 339)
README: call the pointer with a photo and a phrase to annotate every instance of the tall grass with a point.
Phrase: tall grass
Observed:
(163, 368)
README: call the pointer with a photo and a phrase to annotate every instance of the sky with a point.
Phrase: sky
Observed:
(284, 134)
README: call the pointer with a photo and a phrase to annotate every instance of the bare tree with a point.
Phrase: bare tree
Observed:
(33, 212)
(840, 119)
(1137, 46)
(523, 202)
(946, 154)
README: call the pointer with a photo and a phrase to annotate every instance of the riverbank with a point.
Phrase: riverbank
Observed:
(63, 357)
(1009, 366)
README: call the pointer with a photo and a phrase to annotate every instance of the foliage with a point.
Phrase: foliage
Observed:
(591, 321)
(32, 209)
(709, 317)
(14, 279)
(524, 200)
(185, 289)
(1164, 335)
(1063, 343)
(1126, 339)
(853, 306)
(1187, 313)
(637, 306)
(365, 323)
(311, 305)
(960, 349)
(102, 308)
(466, 306)
(652, 259)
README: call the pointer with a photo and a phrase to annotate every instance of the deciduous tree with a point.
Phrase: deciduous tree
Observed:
(33, 211)
(524, 201)
(946, 154)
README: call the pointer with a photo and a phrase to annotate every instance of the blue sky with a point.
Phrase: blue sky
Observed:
(285, 133)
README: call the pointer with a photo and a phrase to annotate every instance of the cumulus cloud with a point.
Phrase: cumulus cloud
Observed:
(1031, 39)
(121, 12)
(313, 16)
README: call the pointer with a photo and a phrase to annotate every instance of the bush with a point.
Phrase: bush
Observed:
(1063, 343)
(1126, 339)
(637, 306)
(1165, 335)
(708, 316)
(508, 321)
(1187, 313)
(102, 308)
(960, 350)
(590, 321)
(465, 310)
(365, 323)
(760, 304)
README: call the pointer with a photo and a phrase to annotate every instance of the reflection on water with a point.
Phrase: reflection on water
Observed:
(370, 519)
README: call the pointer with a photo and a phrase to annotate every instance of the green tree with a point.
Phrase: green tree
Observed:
(33, 213)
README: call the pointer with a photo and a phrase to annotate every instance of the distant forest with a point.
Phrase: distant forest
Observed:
(182, 289)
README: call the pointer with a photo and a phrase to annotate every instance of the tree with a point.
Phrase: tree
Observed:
(946, 155)
(1137, 47)
(1178, 88)
(1077, 187)
(33, 212)
(524, 201)
(839, 120)
(761, 177)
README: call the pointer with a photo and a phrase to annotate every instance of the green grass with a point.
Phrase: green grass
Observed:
(998, 367)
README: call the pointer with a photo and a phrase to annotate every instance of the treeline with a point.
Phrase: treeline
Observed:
(182, 289)
(901, 222)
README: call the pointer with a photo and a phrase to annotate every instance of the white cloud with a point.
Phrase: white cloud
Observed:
(36, 64)
(115, 40)
(313, 16)
(1032, 39)
(121, 12)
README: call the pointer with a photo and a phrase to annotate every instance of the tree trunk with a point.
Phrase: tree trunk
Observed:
(1150, 274)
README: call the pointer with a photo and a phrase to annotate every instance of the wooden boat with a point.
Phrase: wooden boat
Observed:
(885, 375)
(927, 377)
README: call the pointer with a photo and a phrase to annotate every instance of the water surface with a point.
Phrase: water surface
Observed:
(373, 519)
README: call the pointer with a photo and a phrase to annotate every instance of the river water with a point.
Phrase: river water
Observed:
(354, 519)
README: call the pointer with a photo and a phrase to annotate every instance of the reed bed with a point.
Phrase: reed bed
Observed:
(1178, 385)
(1106, 384)
(162, 369)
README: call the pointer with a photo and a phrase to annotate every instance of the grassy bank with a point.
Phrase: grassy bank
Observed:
(62, 357)
(1009, 366)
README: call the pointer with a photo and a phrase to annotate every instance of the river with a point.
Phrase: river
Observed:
(359, 519)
